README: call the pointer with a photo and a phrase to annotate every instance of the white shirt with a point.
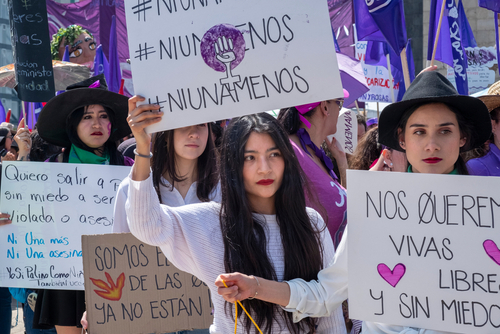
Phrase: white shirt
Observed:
(191, 238)
(319, 298)
(169, 197)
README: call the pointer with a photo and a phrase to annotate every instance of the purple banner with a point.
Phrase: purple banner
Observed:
(342, 19)
(95, 16)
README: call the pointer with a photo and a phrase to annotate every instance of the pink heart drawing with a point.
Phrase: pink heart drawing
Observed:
(391, 276)
(492, 250)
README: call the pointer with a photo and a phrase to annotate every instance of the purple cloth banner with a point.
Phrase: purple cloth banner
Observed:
(115, 74)
(366, 27)
(101, 65)
(443, 51)
(94, 15)
(459, 56)
(468, 40)
(342, 20)
(493, 5)
(389, 16)
(2, 112)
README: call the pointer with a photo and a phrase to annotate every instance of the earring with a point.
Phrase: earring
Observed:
(391, 164)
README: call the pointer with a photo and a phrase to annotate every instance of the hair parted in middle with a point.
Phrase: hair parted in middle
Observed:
(245, 244)
(163, 162)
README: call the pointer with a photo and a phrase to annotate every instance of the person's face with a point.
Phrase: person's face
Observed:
(432, 139)
(333, 110)
(190, 141)
(361, 131)
(495, 127)
(94, 128)
(263, 170)
(81, 51)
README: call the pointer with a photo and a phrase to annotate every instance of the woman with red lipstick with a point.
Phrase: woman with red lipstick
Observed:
(87, 120)
(432, 124)
(261, 227)
(308, 126)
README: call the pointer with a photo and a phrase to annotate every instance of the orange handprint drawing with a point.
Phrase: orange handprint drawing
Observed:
(112, 291)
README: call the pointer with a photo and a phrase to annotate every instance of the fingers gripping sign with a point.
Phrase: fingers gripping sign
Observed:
(140, 117)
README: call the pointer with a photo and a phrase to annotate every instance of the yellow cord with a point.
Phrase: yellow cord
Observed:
(236, 314)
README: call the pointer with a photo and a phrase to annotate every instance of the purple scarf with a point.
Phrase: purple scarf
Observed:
(305, 140)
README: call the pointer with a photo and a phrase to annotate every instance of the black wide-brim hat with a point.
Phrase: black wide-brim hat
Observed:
(432, 87)
(51, 123)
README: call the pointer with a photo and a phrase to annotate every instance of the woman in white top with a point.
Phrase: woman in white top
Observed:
(432, 124)
(260, 228)
(184, 166)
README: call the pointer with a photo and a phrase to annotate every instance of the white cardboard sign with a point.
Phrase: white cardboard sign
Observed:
(347, 131)
(209, 60)
(377, 79)
(51, 206)
(423, 250)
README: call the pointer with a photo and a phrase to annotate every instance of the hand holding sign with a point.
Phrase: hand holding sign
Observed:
(139, 117)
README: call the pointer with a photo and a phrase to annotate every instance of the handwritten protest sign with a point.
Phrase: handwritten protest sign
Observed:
(481, 68)
(424, 250)
(144, 292)
(210, 60)
(347, 131)
(377, 79)
(51, 206)
(31, 49)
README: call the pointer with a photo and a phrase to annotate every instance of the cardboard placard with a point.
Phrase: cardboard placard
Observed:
(31, 50)
(131, 287)
(347, 131)
(377, 79)
(51, 206)
(423, 250)
(212, 60)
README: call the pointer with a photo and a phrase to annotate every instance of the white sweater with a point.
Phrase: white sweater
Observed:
(191, 239)
(169, 197)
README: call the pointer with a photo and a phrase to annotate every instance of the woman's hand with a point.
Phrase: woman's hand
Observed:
(428, 69)
(83, 321)
(139, 117)
(5, 219)
(240, 286)
(340, 158)
(23, 140)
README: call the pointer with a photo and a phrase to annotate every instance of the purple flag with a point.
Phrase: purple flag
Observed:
(66, 54)
(342, 20)
(468, 40)
(366, 27)
(459, 56)
(101, 65)
(389, 17)
(376, 55)
(2, 112)
(493, 5)
(115, 73)
(443, 51)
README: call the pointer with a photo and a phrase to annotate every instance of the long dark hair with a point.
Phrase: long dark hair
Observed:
(367, 151)
(116, 158)
(163, 161)
(464, 127)
(245, 245)
(289, 118)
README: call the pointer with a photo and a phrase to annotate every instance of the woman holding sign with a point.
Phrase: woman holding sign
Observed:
(432, 124)
(87, 120)
(258, 228)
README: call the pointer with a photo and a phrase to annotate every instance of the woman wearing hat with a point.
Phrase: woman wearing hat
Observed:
(308, 126)
(432, 124)
(489, 165)
(87, 120)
